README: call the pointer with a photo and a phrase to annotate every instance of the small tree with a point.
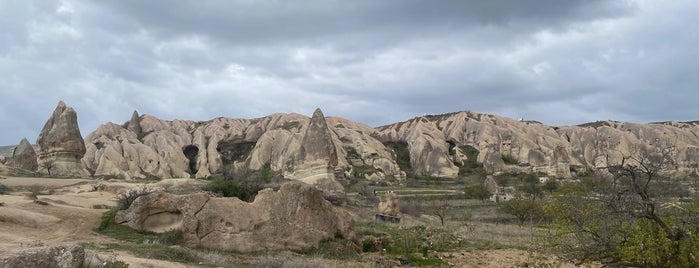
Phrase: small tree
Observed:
(48, 165)
(628, 220)
(440, 208)
(522, 209)
(478, 191)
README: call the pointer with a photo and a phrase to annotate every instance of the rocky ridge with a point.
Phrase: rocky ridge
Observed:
(146, 146)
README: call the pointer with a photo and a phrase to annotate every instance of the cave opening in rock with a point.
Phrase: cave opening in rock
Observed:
(191, 152)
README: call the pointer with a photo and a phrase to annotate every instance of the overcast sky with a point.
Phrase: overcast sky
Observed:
(377, 62)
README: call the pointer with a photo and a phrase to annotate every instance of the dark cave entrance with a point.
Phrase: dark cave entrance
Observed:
(191, 152)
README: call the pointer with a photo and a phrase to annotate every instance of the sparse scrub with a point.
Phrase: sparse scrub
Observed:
(244, 190)
(125, 200)
(115, 264)
(278, 262)
(43, 203)
(509, 159)
(4, 189)
(411, 206)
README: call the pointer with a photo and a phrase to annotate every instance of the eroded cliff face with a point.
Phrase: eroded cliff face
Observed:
(149, 147)
(334, 150)
(434, 142)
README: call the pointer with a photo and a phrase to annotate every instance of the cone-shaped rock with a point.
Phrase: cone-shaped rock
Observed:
(24, 156)
(318, 156)
(60, 144)
(135, 123)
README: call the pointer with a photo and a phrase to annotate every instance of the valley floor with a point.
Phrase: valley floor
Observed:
(46, 211)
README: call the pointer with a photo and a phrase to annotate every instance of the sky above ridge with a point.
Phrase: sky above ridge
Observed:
(376, 62)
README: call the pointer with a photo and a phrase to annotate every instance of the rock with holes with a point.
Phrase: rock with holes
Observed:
(295, 217)
(60, 145)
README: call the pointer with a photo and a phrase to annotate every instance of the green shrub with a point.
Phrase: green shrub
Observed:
(369, 244)
(4, 189)
(509, 160)
(230, 188)
(116, 264)
(125, 200)
(172, 237)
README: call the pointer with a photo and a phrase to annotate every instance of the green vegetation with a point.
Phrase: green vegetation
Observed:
(115, 264)
(478, 191)
(470, 165)
(632, 220)
(125, 200)
(402, 154)
(232, 188)
(523, 209)
(142, 243)
(4, 189)
(509, 159)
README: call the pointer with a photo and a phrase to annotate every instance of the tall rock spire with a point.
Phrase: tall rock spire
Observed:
(318, 156)
(60, 144)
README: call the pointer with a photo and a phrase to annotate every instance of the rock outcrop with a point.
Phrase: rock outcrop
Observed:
(24, 156)
(318, 156)
(389, 204)
(180, 148)
(535, 147)
(50, 257)
(60, 145)
(332, 151)
(295, 217)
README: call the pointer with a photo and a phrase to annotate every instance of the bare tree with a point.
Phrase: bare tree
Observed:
(629, 219)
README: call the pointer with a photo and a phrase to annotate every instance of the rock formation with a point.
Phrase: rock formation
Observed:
(332, 151)
(24, 156)
(294, 217)
(60, 145)
(318, 156)
(180, 148)
(556, 151)
(389, 204)
(55, 256)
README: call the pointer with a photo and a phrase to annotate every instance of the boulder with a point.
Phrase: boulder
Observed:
(295, 217)
(389, 204)
(60, 145)
(46, 256)
(24, 156)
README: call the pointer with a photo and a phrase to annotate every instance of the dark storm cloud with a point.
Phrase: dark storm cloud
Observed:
(377, 62)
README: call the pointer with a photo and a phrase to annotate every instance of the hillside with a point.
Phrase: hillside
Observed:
(434, 146)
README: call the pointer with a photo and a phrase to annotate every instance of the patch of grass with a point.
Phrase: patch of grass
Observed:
(115, 264)
(341, 249)
(43, 203)
(509, 160)
(4, 189)
(149, 250)
(402, 154)
(230, 188)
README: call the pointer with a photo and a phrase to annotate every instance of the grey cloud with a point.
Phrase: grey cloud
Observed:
(377, 62)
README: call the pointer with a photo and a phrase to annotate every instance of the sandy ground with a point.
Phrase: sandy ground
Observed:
(69, 218)
(75, 209)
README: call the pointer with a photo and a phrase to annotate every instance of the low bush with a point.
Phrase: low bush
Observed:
(231, 188)
(4, 189)
(125, 200)
(115, 264)
(43, 203)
